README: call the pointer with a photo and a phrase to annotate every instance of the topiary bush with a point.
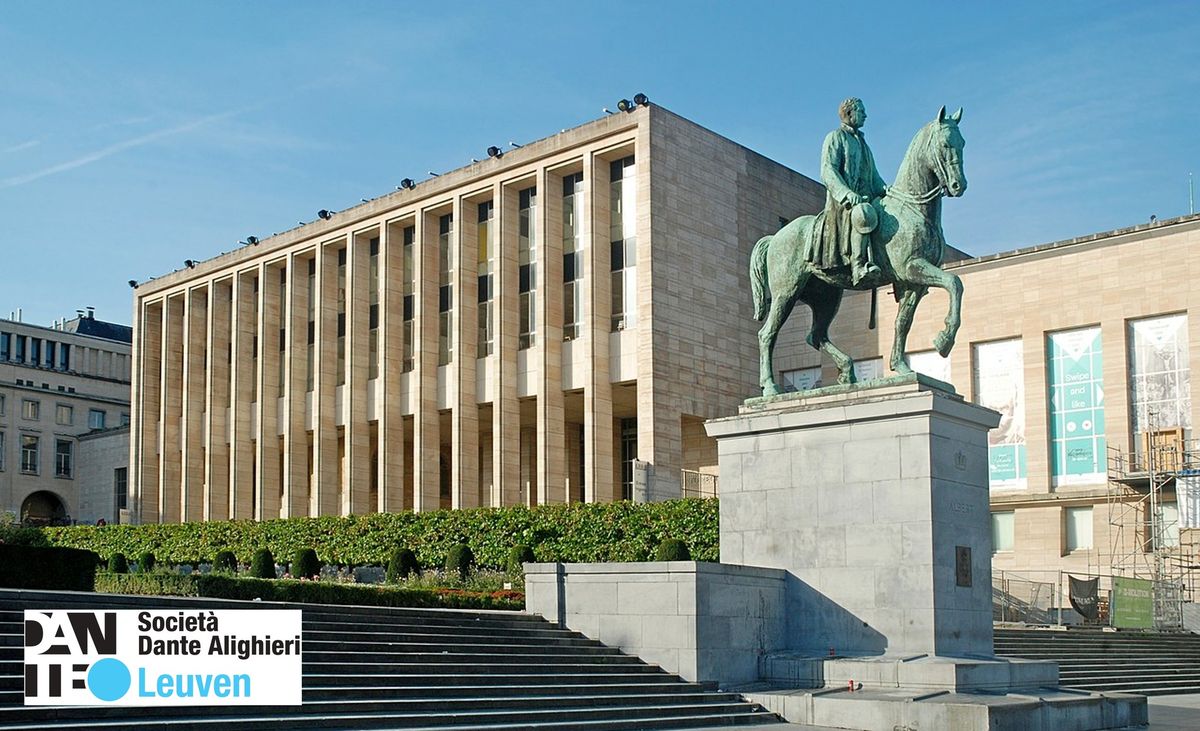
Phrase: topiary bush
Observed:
(517, 555)
(402, 563)
(672, 549)
(262, 566)
(118, 564)
(460, 559)
(17, 535)
(225, 561)
(306, 565)
(146, 562)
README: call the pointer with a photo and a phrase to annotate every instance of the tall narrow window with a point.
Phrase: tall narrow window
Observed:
(64, 415)
(2, 452)
(527, 263)
(310, 354)
(254, 346)
(1002, 531)
(1078, 529)
(341, 317)
(410, 290)
(19, 349)
(35, 351)
(283, 322)
(486, 274)
(1074, 359)
(5, 345)
(373, 315)
(628, 455)
(445, 291)
(64, 456)
(31, 409)
(573, 252)
(1159, 388)
(49, 361)
(64, 357)
(120, 489)
(30, 446)
(622, 231)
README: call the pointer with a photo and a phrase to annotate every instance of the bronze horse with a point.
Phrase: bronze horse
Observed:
(909, 233)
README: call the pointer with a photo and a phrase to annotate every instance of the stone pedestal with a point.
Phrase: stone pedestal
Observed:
(875, 501)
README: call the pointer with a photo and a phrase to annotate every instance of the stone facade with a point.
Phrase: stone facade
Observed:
(57, 385)
(104, 476)
(275, 380)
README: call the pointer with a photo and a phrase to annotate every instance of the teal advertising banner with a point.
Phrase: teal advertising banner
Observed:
(1133, 603)
(1000, 385)
(1077, 445)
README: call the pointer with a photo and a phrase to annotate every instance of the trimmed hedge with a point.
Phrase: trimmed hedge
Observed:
(673, 549)
(44, 567)
(225, 561)
(118, 564)
(262, 566)
(402, 563)
(306, 565)
(579, 532)
(460, 560)
(218, 586)
(518, 555)
(146, 562)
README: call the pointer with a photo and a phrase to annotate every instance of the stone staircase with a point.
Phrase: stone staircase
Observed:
(374, 668)
(1149, 663)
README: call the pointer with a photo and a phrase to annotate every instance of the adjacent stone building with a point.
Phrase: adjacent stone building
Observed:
(58, 386)
(551, 324)
(1084, 346)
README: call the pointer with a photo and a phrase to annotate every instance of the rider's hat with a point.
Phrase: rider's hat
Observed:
(863, 218)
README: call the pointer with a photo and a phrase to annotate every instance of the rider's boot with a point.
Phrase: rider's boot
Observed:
(862, 269)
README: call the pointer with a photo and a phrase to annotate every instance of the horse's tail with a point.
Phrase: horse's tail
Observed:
(758, 278)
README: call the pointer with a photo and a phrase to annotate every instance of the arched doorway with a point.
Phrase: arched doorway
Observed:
(43, 508)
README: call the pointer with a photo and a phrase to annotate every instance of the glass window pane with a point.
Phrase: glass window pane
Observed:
(1079, 529)
(1002, 531)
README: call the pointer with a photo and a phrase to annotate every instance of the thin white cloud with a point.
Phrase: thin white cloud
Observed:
(115, 148)
(21, 146)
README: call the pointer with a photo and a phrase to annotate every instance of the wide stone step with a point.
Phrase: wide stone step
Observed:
(527, 648)
(549, 688)
(463, 668)
(432, 655)
(572, 717)
(312, 706)
(440, 680)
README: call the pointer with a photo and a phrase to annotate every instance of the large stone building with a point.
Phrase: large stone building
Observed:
(1084, 346)
(551, 324)
(58, 387)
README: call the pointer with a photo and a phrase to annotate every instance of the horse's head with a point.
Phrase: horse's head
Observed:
(944, 152)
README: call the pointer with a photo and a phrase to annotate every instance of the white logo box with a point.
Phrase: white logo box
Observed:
(163, 657)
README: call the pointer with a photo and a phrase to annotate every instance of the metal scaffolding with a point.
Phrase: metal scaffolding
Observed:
(1144, 542)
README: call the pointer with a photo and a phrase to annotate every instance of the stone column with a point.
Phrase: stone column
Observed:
(170, 455)
(194, 358)
(391, 368)
(147, 416)
(325, 436)
(295, 393)
(270, 320)
(426, 427)
(506, 410)
(464, 417)
(216, 429)
(551, 426)
(245, 325)
(599, 482)
(357, 475)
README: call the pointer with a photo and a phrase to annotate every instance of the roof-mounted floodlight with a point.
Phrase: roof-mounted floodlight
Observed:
(641, 100)
(625, 105)
(250, 241)
(324, 215)
(133, 284)
(407, 184)
(189, 263)
(494, 151)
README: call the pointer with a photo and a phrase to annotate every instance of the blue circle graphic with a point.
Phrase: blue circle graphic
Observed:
(108, 679)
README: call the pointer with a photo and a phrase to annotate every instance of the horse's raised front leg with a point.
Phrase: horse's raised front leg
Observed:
(781, 307)
(923, 272)
(910, 297)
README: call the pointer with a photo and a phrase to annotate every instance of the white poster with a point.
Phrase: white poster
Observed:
(930, 363)
(1187, 496)
(1000, 385)
(1159, 376)
(868, 369)
(802, 379)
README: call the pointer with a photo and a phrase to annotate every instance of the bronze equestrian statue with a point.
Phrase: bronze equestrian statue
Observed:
(814, 259)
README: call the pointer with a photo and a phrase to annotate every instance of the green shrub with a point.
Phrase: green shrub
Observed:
(46, 567)
(225, 561)
(672, 549)
(575, 532)
(460, 559)
(327, 592)
(262, 566)
(17, 535)
(147, 584)
(402, 564)
(118, 564)
(306, 565)
(146, 562)
(517, 555)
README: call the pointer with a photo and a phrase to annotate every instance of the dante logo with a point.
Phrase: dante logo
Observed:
(66, 652)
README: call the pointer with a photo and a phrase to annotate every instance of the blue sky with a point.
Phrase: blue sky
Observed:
(136, 135)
